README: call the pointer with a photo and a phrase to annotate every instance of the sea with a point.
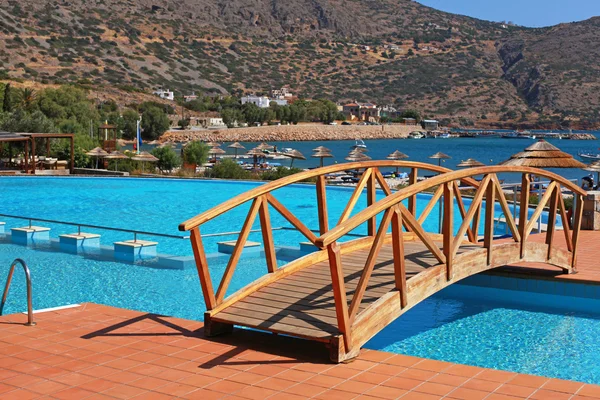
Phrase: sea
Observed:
(488, 150)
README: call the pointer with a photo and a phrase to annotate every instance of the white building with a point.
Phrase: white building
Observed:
(282, 93)
(190, 97)
(261, 101)
(165, 94)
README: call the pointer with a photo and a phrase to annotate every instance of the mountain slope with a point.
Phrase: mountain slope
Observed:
(449, 66)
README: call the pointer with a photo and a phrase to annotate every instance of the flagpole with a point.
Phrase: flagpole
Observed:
(139, 135)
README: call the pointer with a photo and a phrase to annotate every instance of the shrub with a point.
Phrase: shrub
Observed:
(227, 169)
(167, 159)
(196, 152)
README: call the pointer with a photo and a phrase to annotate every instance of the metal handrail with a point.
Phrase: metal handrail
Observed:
(7, 288)
(79, 226)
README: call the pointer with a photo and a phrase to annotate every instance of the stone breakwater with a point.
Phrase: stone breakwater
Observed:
(290, 133)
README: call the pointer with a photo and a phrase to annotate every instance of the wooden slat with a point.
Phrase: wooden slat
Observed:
(506, 210)
(473, 210)
(399, 260)
(371, 199)
(384, 186)
(415, 227)
(432, 202)
(551, 224)
(524, 209)
(339, 294)
(237, 250)
(368, 268)
(565, 222)
(412, 200)
(322, 205)
(360, 186)
(291, 218)
(202, 267)
(576, 228)
(463, 213)
(537, 213)
(490, 205)
(267, 234)
(448, 227)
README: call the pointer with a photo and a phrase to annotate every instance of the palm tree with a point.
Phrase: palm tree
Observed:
(26, 98)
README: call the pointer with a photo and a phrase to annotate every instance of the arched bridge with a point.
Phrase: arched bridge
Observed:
(348, 290)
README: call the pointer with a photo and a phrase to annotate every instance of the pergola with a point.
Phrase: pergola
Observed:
(29, 141)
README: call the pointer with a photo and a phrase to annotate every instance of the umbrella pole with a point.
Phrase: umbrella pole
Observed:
(97, 162)
(321, 162)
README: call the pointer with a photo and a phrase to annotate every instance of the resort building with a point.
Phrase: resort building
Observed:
(283, 93)
(389, 111)
(263, 101)
(164, 94)
(361, 112)
(430, 124)
(190, 97)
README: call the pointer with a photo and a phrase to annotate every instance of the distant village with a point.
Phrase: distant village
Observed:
(354, 112)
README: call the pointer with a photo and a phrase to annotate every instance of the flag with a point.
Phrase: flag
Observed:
(138, 142)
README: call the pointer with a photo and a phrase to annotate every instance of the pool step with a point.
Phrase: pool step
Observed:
(77, 242)
(135, 250)
(228, 246)
(29, 234)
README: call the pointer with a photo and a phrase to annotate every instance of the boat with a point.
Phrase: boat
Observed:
(416, 135)
(359, 144)
(445, 136)
(588, 156)
(516, 135)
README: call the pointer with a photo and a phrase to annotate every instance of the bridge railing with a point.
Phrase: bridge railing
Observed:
(262, 196)
(398, 216)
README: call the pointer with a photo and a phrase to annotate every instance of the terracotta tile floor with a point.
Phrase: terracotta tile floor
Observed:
(101, 352)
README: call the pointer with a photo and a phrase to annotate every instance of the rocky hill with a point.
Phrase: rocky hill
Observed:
(386, 51)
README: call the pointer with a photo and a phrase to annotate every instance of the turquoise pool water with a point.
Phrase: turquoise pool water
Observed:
(548, 333)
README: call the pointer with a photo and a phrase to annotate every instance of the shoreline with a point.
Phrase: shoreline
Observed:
(292, 133)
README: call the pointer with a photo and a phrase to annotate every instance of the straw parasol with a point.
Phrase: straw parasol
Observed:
(213, 144)
(543, 155)
(97, 152)
(397, 155)
(237, 146)
(256, 153)
(216, 150)
(470, 163)
(294, 154)
(322, 153)
(144, 157)
(594, 167)
(322, 148)
(440, 156)
(116, 155)
(265, 146)
(356, 155)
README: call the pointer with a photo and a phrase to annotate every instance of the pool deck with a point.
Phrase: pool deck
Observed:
(101, 352)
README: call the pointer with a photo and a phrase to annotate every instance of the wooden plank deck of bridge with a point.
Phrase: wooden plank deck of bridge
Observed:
(302, 303)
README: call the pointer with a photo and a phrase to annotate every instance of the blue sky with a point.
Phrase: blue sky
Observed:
(533, 13)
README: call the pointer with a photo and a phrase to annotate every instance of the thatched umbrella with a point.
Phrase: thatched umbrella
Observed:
(294, 154)
(216, 150)
(543, 155)
(594, 167)
(144, 157)
(397, 155)
(440, 156)
(213, 144)
(322, 148)
(256, 153)
(265, 146)
(116, 155)
(237, 146)
(97, 152)
(356, 155)
(470, 163)
(322, 154)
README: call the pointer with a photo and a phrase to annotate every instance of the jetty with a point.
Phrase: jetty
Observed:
(348, 289)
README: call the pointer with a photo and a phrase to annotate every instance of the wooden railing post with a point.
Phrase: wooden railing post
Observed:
(447, 228)
(339, 293)
(412, 200)
(524, 210)
(552, 220)
(371, 199)
(399, 262)
(490, 208)
(202, 267)
(267, 234)
(322, 205)
(576, 228)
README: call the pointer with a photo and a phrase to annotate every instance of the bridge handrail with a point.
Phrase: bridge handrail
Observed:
(370, 212)
(252, 194)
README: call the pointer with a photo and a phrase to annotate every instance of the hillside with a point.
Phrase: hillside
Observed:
(385, 51)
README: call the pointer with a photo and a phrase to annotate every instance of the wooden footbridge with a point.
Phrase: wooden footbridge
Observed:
(348, 290)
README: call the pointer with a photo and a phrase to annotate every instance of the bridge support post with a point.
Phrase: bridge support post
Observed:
(213, 328)
(338, 353)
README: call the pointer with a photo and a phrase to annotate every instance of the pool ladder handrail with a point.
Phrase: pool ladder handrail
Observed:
(7, 288)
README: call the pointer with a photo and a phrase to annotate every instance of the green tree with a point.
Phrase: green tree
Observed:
(411, 114)
(154, 123)
(196, 152)
(228, 169)
(128, 123)
(183, 123)
(167, 159)
(6, 103)
(27, 98)
(231, 116)
(23, 121)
